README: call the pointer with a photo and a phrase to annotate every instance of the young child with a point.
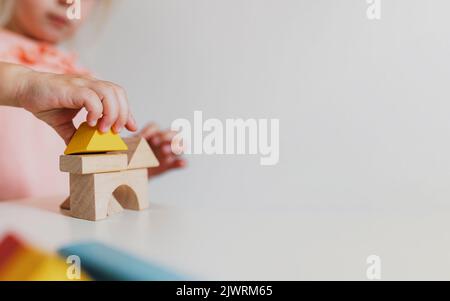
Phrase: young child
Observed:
(42, 90)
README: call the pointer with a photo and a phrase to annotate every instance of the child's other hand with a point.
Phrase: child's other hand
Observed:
(57, 99)
(160, 142)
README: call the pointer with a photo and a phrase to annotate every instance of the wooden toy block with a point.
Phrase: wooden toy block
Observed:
(102, 185)
(114, 207)
(65, 205)
(90, 195)
(139, 153)
(89, 164)
(136, 198)
(88, 140)
(94, 197)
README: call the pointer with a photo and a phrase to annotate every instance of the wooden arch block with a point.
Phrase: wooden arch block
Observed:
(94, 197)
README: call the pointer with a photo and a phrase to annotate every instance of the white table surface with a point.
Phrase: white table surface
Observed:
(253, 245)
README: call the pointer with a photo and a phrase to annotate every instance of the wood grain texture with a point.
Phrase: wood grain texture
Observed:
(66, 204)
(139, 153)
(90, 164)
(82, 197)
(114, 207)
(94, 197)
(133, 193)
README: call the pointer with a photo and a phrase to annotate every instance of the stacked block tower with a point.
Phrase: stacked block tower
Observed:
(107, 173)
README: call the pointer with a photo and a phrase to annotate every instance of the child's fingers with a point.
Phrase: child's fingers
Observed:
(110, 106)
(89, 100)
(166, 149)
(149, 131)
(162, 137)
(131, 123)
(174, 162)
(116, 110)
(180, 163)
(168, 139)
(168, 135)
(169, 160)
(124, 111)
(155, 140)
(166, 165)
(166, 153)
(163, 141)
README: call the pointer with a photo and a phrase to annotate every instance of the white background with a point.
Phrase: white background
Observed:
(364, 105)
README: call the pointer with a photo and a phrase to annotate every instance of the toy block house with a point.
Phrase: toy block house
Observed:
(107, 174)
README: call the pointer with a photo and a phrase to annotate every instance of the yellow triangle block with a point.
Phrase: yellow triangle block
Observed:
(89, 140)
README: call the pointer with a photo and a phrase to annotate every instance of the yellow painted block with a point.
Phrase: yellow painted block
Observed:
(19, 265)
(28, 264)
(89, 140)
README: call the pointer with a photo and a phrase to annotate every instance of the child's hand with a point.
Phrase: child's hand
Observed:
(160, 142)
(57, 99)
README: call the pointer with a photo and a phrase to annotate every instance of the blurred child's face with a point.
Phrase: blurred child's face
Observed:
(47, 20)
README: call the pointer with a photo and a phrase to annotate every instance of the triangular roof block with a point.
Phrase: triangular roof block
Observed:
(140, 155)
(89, 140)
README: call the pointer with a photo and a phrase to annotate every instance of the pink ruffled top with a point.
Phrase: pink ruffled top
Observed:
(29, 148)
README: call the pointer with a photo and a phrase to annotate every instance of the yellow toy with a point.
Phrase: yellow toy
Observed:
(88, 140)
(20, 262)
